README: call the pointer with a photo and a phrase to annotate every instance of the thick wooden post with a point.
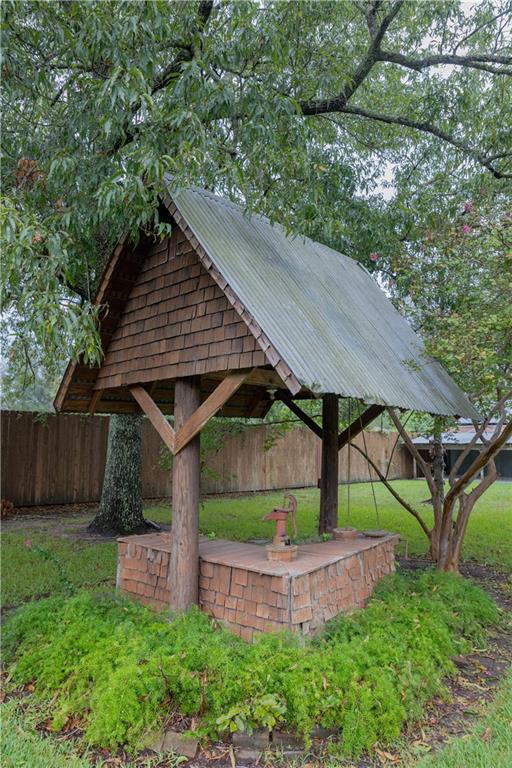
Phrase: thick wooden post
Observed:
(329, 477)
(184, 565)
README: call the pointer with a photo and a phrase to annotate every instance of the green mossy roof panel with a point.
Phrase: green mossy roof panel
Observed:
(322, 311)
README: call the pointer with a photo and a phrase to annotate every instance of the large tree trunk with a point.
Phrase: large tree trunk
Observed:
(330, 458)
(184, 560)
(120, 510)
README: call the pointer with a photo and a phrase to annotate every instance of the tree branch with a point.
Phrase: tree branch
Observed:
(484, 484)
(322, 106)
(466, 504)
(480, 27)
(392, 491)
(414, 451)
(482, 459)
(479, 435)
(418, 125)
(164, 78)
(186, 53)
(484, 62)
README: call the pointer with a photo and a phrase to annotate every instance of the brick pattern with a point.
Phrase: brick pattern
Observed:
(340, 586)
(176, 322)
(143, 572)
(245, 601)
(249, 602)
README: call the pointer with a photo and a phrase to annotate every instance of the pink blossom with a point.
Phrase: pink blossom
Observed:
(468, 207)
(466, 229)
(374, 256)
(28, 543)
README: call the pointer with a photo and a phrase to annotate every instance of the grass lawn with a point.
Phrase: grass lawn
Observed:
(89, 562)
(488, 540)
(25, 575)
(488, 745)
(23, 747)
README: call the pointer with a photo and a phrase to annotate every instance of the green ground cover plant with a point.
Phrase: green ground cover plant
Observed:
(122, 668)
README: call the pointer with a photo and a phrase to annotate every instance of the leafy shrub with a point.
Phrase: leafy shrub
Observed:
(123, 668)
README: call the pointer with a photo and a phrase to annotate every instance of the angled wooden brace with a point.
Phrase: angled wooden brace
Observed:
(176, 441)
(302, 415)
(359, 424)
(155, 415)
(209, 408)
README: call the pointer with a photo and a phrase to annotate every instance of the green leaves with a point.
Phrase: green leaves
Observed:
(122, 668)
(455, 283)
(107, 97)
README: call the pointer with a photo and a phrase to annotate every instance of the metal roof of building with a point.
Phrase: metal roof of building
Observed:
(322, 311)
(460, 439)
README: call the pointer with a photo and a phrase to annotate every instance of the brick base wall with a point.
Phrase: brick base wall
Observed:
(249, 594)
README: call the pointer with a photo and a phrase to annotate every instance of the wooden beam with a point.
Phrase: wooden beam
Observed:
(213, 403)
(155, 416)
(96, 397)
(330, 459)
(359, 424)
(304, 417)
(259, 377)
(186, 473)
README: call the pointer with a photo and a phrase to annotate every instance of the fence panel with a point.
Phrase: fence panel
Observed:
(61, 459)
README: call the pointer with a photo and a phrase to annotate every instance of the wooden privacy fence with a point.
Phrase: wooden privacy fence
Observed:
(61, 459)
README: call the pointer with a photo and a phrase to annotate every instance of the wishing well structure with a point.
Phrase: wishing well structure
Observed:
(222, 317)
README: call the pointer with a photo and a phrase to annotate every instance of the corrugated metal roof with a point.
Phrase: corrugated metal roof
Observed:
(322, 311)
(455, 439)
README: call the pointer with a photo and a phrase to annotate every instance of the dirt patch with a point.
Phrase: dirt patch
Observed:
(472, 687)
(68, 521)
(53, 510)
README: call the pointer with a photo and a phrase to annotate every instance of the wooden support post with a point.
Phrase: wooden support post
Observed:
(184, 561)
(329, 478)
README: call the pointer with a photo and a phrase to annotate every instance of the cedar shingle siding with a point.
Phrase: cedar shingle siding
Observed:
(176, 322)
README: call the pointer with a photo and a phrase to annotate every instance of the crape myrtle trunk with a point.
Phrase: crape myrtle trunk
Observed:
(120, 509)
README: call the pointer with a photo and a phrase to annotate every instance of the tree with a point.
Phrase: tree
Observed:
(26, 384)
(294, 108)
(455, 282)
(297, 110)
(120, 509)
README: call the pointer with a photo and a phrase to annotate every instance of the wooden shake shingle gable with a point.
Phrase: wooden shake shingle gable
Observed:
(168, 313)
(227, 292)
(176, 322)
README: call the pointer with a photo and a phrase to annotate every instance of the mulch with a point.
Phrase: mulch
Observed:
(478, 674)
